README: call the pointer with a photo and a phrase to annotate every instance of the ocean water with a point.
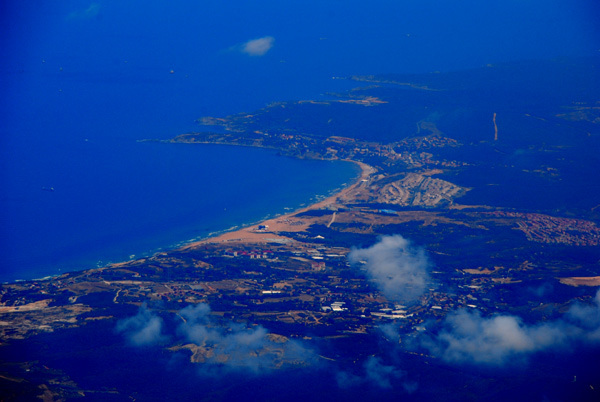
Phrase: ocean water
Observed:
(114, 200)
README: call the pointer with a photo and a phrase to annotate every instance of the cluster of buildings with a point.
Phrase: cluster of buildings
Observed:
(551, 229)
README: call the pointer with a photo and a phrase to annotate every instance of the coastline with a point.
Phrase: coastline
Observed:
(241, 226)
(250, 234)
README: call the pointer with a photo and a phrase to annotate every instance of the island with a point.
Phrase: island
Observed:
(462, 264)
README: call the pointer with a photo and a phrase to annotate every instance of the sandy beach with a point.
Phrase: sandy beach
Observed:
(285, 223)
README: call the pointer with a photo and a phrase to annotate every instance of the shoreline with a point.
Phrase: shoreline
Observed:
(238, 234)
(249, 234)
(244, 234)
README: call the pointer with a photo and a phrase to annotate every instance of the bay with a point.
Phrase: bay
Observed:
(71, 124)
(114, 197)
(119, 200)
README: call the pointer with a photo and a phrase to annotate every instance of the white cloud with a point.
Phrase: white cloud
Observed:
(237, 346)
(467, 337)
(143, 329)
(587, 317)
(258, 47)
(91, 12)
(399, 270)
(375, 374)
(222, 345)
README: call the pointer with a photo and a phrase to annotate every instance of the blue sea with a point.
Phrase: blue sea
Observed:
(117, 199)
(82, 81)
(80, 190)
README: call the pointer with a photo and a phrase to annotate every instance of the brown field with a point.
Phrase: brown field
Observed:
(581, 281)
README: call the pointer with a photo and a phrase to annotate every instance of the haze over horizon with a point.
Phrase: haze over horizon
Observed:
(262, 50)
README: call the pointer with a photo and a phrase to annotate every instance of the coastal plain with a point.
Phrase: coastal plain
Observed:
(480, 194)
